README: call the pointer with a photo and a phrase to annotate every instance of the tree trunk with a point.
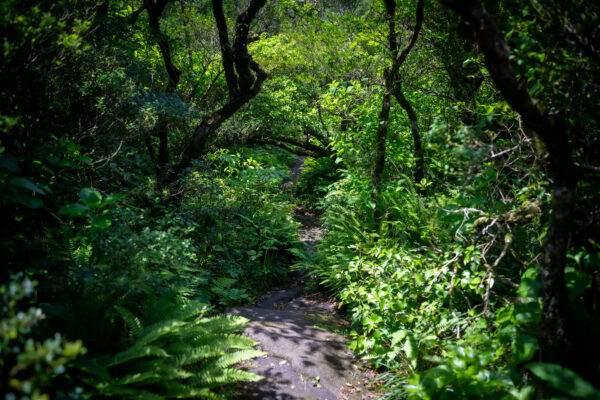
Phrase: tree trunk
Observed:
(380, 140)
(393, 84)
(155, 9)
(556, 331)
(243, 75)
(418, 155)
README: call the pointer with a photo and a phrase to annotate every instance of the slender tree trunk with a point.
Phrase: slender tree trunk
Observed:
(556, 331)
(380, 141)
(155, 9)
(419, 171)
(393, 84)
(396, 88)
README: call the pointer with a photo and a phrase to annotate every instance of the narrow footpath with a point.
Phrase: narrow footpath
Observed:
(304, 360)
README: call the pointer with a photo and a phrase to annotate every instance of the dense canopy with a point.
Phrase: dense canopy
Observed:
(451, 149)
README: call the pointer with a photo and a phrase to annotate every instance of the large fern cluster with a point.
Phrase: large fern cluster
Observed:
(184, 355)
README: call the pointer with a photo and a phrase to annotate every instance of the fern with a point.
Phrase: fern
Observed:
(230, 359)
(133, 322)
(180, 356)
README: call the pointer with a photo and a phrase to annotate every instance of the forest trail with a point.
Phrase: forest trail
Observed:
(304, 360)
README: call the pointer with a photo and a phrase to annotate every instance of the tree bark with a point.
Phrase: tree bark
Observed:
(418, 155)
(556, 333)
(380, 139)
(393, 84)
(155, 9)
(396, 88)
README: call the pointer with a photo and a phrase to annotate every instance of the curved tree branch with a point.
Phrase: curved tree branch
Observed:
(399, 95)
(243, 86)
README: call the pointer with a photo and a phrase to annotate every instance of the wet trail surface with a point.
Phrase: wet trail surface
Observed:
(304, 360)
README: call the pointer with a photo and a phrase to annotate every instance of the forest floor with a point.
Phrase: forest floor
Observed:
(307, 357)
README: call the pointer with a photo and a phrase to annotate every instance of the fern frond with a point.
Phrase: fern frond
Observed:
(223, 323)
(213, 376)
(158, 330)
(133, 323)
(138, 377)
(93, 368)
(198, 354)
(180, 356)
(178, 390)
(191, 309)
(135, 352)
(230, 341)
(230, 359)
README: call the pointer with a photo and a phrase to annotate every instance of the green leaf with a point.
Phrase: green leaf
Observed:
(101, 221)
(524, 347)
(90, 197)
(26, 184)
(75, 209)
(530, 285)
(112, 199)
(9, 163)
(398, 336)
(411, 349)
(564, 380)
(29, 201)
(577, 283)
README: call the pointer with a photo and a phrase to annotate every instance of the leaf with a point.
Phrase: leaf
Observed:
(112, 199)
(29, 201)
(411, 349)
(26, 184)
(524, 347)
(398, 336)
(75, 209)
(530, 285)
(9, 163)
(577, 283)
(101, 221)
(564, 380)
(90, 197)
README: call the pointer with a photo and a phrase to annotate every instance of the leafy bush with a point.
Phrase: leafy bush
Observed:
(30, 363)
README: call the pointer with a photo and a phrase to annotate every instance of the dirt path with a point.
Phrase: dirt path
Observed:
(304, 360)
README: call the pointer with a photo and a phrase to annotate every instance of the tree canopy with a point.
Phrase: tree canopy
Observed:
(452, 154)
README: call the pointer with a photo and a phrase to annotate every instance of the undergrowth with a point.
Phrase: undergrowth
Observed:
(443, 293)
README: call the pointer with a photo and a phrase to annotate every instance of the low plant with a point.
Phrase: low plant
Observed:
(181, 354)
(31, 364)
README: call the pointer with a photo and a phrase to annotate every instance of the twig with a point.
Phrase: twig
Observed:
(466, 211)
(505, 151)
(107, 159)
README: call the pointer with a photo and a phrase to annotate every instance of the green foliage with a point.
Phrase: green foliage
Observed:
(92, 206)
(30, 363)
(182, 354)
(246, 220)
(443, 288)
(564, 380)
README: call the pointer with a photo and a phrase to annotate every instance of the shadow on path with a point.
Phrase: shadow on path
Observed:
(304, 361)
